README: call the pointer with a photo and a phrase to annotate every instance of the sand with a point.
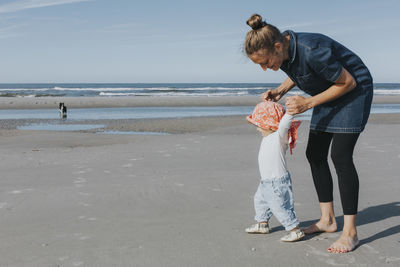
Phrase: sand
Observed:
(99, 102)
(183, 199)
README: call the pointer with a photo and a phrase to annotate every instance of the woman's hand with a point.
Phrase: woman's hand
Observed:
(279, 92)
(272, 95)
(297, 104)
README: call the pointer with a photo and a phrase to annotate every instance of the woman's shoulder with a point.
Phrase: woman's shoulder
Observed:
(311, 40)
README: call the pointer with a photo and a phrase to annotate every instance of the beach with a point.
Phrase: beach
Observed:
(181, 198)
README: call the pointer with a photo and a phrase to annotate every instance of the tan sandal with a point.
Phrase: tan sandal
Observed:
(293, 236)
(258, 228)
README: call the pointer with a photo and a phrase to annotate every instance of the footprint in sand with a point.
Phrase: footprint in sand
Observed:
(129, 165)
(81, 236)
(317, 252)
(392, 259)
(80, 180)
(79, 172)
(328, 260)
(84, 204)
(334, 263)
(179, 146)
(63, 258)
(21, 191)
(134, 159)
(90, 219)
(85, 194)
(370, 249)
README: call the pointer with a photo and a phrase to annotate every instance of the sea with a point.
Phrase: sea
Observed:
(155, 89)
(76, 117)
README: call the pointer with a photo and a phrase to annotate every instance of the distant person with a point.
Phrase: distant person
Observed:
(274, 194)
(341, 90)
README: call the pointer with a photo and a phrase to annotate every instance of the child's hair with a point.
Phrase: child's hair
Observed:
(262, 36)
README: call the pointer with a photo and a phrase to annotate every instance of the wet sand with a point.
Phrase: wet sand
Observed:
(100, 102)
(184, 199)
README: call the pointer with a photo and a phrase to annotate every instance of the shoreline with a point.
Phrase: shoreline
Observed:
(113, 102)
(167, 125)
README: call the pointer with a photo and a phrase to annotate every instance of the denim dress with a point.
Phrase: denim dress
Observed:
(315, 63)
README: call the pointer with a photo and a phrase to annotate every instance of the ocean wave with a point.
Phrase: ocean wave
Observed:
(158, 89)
(386, 92)
(195, 89)
(174, 94)
(23, 89)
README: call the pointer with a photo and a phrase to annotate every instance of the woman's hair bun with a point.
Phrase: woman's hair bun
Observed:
(256, 22)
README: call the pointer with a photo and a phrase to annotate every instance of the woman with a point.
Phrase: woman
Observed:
(341, 91)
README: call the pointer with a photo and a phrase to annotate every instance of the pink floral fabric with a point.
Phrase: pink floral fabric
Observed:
(268, 114)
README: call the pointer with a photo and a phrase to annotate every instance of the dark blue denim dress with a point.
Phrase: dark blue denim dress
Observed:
(315, 63)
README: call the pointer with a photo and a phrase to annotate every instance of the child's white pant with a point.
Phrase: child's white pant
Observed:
(274, 197)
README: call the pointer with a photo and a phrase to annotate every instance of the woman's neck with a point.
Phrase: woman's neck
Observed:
(286, 43)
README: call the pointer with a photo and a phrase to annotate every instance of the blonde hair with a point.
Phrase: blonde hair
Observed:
(262, 36)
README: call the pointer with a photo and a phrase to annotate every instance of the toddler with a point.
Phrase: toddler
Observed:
(274, 194)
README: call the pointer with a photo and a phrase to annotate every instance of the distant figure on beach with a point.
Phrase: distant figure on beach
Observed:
(341, 90)
(274, 194)
(63, 110)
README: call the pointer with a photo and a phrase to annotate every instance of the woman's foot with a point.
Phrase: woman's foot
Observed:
(344, 244)
(328, 226)
(348, 241)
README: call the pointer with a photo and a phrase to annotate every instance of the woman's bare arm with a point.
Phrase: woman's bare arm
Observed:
(279, 91)
(299, 104)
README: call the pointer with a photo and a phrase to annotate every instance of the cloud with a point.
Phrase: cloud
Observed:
(298, 25)
(28, 4)
(8, 31)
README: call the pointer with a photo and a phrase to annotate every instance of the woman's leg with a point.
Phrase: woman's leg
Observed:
(317, 155)
(342, 156)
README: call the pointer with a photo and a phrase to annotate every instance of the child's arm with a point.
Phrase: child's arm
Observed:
(284, 126)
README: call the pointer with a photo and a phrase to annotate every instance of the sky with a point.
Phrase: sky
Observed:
(154, 41)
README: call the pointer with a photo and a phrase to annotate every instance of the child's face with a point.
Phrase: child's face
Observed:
(264, 132)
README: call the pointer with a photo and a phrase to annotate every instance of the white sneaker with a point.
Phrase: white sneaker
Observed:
(293, 236)
(258, 228)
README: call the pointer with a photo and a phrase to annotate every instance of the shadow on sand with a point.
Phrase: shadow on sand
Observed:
(370, 215)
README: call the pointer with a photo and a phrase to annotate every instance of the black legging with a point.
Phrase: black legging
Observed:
(342, 157)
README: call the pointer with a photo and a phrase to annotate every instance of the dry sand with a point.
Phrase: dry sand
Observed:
(184, 199)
